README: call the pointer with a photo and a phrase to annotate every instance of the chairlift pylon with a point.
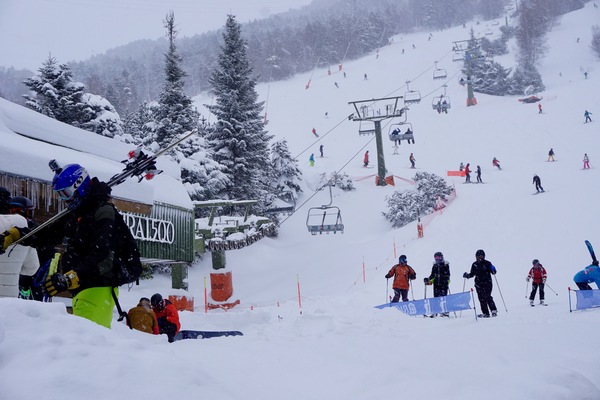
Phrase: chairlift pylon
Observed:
(326, 218)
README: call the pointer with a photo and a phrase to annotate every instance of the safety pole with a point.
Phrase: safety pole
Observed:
(464, 284)
(570, 309)
(363, 268)
(205, 297)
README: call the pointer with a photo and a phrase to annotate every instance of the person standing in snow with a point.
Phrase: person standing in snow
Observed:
(540, 108)
(461, 166)
(538, 274)
(23, 260)
(586, 161)
(366, 159)
(166, 315)
(412, 160)
(538, 183)
(321, 150)
(587, 114)
(439, 277)
(551, 154)
(496, 163)
(478, 170)
(402, 274)
(311, 159)
(467, 173)
(483, 270)
(142, 318)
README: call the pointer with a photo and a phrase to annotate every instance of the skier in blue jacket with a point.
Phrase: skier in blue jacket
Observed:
(589, 274)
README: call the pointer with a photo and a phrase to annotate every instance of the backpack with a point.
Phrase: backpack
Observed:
(127, 266)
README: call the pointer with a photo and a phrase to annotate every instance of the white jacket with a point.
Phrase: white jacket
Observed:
(22, 259)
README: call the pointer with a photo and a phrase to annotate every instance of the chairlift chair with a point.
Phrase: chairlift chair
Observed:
(401, 135)
(440, 74)
(458, 56)
(411, 96)
(325, 219)
(439, 102)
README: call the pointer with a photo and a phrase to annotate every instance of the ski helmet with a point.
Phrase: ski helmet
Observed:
(157, 301)
(480, 253)
(439, 257)
(402, 259)
(4, 200)
(535, 262)
(72, 183)
(21, 205)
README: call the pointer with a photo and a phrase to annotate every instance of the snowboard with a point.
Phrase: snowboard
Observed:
(591, 250)
(543, 191)
(186, 334)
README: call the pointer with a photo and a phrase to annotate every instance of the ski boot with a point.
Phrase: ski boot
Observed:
(494, 313)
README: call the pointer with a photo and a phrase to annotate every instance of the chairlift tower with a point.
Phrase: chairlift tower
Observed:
(466, 46)
(365, 111)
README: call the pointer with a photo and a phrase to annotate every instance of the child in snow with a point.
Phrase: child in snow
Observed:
(589, 274)
(538, 274)
(366, 159)
(586, 161)
(551, 154)
(402, 274)
(311, 160)
(467, 173)
(587, 114)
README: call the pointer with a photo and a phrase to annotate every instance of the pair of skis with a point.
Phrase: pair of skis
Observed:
(139, 165)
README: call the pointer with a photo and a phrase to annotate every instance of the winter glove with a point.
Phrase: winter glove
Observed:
(595, 262)
(10, 236)
(527, 279)
(544, 280)
(426, 280)
(60, 282)
(466, 275)
(493, 270)
(387, 276)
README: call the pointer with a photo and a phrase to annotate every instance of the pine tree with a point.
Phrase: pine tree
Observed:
(99, 116)
(54, 93)
(596, 40)
(175, 113)
(238, 139)
(287, 175)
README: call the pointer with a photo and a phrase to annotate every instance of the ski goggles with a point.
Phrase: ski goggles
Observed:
(438, 258)
(67, 193)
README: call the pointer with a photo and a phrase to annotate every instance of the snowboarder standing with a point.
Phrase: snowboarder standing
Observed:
(366, 159)
(483, 270)
(311, 159)
(467, 173)
(439, 277)
(412, 160)
(538, 183)
(587, 114)
(403, 274)
(479, 174)
(538, 274)
(496, 163)
(551, 154)
(586, 161)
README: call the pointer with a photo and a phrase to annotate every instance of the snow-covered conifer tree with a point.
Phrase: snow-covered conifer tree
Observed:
(287, 175)
(239, 139)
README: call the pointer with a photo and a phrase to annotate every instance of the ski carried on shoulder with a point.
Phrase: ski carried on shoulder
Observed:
(138, 164)
(187, 334)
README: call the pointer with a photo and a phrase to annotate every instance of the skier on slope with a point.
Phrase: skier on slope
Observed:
(586, 161)
(496, 163)
(403, 274)
(439, 277)
(538, 183)
(587, 114)
(467, 173)
(366, 159)
(479, 174)
(483, 270)
(551, 154)
(539, 275)
(412, 160)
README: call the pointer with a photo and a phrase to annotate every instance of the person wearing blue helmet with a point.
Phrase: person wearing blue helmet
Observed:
(89, 234)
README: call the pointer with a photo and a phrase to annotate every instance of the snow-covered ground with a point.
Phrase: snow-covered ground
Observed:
(336, 345)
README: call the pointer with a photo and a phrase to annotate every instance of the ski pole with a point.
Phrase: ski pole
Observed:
(387, 286)
(527, 289)
(411, 290)
(548, 286)
(502, 297)
(464, 284)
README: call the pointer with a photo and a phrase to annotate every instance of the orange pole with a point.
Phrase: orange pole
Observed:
(299, 298)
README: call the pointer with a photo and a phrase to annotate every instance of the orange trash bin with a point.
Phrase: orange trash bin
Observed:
(221, 286)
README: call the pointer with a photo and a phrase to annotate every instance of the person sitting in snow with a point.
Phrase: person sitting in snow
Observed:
(142, 318)
(167, 316)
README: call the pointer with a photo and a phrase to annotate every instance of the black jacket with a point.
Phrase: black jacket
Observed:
(482, 271)
(440, 273)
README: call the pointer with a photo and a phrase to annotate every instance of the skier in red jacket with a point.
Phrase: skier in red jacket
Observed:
(538, 274)
(467, 173)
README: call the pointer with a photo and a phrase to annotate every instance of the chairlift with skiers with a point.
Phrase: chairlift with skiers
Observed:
(401, 131)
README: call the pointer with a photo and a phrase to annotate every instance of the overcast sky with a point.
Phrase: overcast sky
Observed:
(77, 29)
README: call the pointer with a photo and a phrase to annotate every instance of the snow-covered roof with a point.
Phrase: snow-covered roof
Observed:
(29, 140)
